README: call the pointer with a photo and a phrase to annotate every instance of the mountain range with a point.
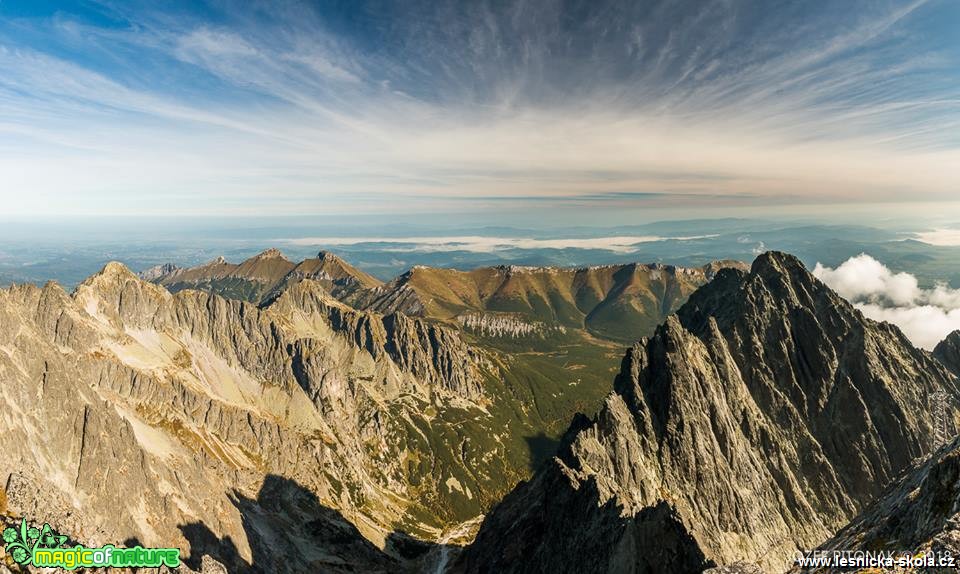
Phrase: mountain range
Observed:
(306, 417)
(616, 302)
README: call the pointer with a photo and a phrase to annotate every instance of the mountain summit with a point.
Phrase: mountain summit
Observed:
(948, 352)
(756, 422)
(263, 277)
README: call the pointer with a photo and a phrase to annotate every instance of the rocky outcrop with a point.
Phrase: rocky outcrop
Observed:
(431, 353)
(158, 271)
(340, 279)
(395, 297)
(948, 352)
(917, 516)
(756, 422)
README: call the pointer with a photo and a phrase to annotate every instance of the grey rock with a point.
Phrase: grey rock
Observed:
(158, 271)
(948, 352)
(757, 422)
(920, 513)
(129, 412)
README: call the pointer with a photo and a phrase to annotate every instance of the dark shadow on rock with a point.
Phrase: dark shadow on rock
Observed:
(545, 525)
(408, 547)
(421, 557)
(288, 530)
(132, 542)
(540, 447)
(204, 542)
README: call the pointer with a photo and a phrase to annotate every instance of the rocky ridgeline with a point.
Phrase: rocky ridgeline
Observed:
(396, 297)
(948, 352)
(432, 353)
(613, 302)
(264, 277)
(758, 421)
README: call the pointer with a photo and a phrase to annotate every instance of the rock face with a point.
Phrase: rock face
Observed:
(433, 354)
(158, 271)
(948, 352)
(756, 422)
(212, 419)
(918, 514)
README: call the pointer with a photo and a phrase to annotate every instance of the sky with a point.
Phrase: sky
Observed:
(550, 109)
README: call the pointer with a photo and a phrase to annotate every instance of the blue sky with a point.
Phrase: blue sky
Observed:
(444, 106)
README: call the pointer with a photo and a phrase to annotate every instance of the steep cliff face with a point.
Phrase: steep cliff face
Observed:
(756, 422)
(187, 404)
(431, 353)
(948, 352)
(919, 515)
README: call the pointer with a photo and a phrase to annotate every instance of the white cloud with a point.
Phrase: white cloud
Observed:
(925, 326)
(480, 244)
(941, 237)
(863, 277)
(926, 316)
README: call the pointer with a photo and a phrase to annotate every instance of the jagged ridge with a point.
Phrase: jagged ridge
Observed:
(264, 277)
(758, 421)
(178, 401)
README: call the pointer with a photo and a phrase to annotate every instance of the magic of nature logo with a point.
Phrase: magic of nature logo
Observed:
(46, 548)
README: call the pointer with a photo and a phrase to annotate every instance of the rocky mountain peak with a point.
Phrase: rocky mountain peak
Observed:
(756, 422)
(778, 294)
(113, 277)
(114, 270)
(158, 271)
(773, 263)
(272, 253)
(117, 294)
(948, 352)
(327, 256)
(785, 276)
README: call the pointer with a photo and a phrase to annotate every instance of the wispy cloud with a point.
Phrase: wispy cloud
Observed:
(294, 109)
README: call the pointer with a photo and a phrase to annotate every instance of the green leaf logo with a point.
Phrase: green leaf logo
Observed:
(20, 543)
